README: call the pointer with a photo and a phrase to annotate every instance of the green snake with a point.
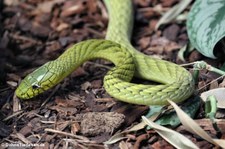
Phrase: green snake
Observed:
(173, 81)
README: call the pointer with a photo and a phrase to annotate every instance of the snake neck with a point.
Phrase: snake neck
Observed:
(120, 23)
(93, 49)
(53, 72)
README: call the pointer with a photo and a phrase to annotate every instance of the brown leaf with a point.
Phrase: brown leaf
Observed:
(12, 84)
(156, 50)
(95, 84)
(26, 130)
(85, 86)
(162, 144)
(171, 32)
(79, 72)
(24, 24)
(213, 85)
(92, 6)
(130, 112)
(16, 104)
(222, 84)
(52, 47)
(62, 125)
(47, 6)
(64, 110)
(71, 8)
(144, 42)
(67, 103)
(168, 3)
(75, 127)
(11, 2)
(40, 30)
(207, 125)
(125, 145)
(160, 41)
(171, 47)
(22, 138)
(62, 26)
(194, 56)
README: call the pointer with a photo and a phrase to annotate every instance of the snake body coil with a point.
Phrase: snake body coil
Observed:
(174, 82)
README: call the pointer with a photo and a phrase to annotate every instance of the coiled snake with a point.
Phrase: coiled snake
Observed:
(174, 82)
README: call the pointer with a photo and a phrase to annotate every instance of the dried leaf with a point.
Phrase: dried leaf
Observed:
(194, 128)
(181, 53)
(85, 86)
(208, 126)
(117, 137)
(75, 127)
(173, 137)
(22, 138)
(213, 85)
(11, 2)
(222, 84)
(173, 13)
(12, 84)
(71, 8)
(47, 6)
(219, 93)
(64, 110)
(16, 104)
(123, 145)
(68, 102)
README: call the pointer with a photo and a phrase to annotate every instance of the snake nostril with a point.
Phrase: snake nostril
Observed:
(35, 86)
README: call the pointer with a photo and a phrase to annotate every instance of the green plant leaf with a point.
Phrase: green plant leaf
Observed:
(206, 27)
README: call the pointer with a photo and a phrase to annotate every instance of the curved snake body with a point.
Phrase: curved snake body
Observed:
(174, 82)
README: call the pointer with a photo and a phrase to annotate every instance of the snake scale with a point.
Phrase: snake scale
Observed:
(173, 82)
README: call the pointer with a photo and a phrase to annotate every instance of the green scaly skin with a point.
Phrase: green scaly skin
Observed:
(175, 83)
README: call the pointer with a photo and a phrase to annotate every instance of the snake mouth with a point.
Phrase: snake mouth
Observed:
(21, 94)
(28, 93)
(28, 90)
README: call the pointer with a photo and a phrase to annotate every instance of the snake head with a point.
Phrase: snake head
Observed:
(37, 82)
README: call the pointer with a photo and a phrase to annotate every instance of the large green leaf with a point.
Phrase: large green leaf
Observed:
(206, 26)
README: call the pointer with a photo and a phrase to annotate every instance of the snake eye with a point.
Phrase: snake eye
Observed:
(35, 86)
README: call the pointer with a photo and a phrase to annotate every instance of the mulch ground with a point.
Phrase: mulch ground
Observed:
(78, 113)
